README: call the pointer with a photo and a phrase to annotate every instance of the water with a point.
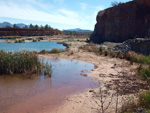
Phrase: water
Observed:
(31, 46)
(41, 93)
(1, 40)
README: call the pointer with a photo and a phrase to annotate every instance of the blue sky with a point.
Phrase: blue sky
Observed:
(61, 14)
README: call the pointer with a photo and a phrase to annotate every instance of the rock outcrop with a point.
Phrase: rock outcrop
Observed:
(122, 22)
(139, 45)
(27, 32)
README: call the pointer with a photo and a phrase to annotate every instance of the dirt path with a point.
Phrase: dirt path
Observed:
(114, 75)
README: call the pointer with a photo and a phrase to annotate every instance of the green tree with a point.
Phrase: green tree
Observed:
(14, 26)
(31, 26)
(71, 33)
(50, 28)
(115, 3)
(42, 28)
(46, 27)
(36, 27)
(25, 27)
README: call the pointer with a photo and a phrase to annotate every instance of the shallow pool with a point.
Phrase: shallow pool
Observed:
(41, 93)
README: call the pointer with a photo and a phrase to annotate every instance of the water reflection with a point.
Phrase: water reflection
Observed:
(41, 92)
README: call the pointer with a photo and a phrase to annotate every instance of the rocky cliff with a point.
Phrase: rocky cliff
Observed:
(27, 32)
(122, 22)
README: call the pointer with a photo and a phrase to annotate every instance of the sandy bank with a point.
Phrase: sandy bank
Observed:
(114, 75)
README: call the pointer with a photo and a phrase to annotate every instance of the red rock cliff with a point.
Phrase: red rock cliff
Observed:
(123, 22)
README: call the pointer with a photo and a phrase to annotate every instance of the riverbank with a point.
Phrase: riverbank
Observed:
(117, 78)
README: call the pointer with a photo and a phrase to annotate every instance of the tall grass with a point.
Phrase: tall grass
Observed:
(19, 62)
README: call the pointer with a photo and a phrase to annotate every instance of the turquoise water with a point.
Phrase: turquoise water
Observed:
(31, 46)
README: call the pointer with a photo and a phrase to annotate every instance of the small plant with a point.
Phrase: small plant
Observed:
(48, 69)
(55, 50)
(43, 51)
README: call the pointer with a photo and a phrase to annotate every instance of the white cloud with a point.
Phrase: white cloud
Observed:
(50, 13)
(30, 13)
(83, 6)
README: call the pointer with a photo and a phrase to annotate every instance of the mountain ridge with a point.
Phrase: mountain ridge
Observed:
(5, 24)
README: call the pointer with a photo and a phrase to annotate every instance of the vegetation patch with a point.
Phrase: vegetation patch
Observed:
(139, 105)
(53, 51)
(19, 62)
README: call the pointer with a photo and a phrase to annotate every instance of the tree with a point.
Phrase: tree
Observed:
(25, 27)
(31, 26)
(36, 27)
(42, 28)
(46, 27)
(14, 26)
(115, 3)
(50, 28)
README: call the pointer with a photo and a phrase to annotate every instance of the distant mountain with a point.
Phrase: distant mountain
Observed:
(79, 30)
(20, 25)
(5, 24)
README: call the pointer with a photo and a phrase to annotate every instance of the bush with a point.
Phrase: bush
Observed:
(55, 50)
(43, 51)
(144, 100)
(145, 73)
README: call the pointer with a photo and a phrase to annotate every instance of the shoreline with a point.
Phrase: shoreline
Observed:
(108, 71)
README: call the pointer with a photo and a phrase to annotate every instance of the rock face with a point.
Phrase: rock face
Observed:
(139, 45)
(27, 32)
(122, 22)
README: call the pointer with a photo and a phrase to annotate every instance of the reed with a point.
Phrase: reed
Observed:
(19, 62)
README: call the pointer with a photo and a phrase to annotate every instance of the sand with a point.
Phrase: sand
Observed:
(117, 79)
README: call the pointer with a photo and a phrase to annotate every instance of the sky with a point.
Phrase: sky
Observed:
(60, 14)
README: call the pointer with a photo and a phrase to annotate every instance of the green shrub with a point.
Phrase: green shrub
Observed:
(145, 73)
(55, 50)
(144, 100)
(43, 51)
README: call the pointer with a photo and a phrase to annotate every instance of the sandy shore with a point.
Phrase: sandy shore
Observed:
(117, 80)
